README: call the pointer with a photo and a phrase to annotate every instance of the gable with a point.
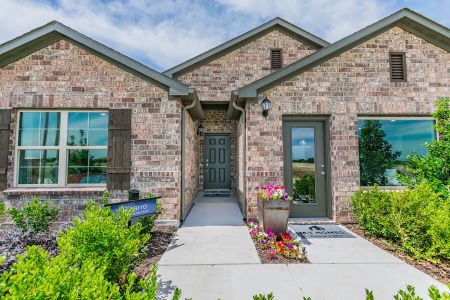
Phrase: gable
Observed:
(406, 19)
(276, 24)
(361, 74)
(48, 34)
(213, 81)
(66, 75)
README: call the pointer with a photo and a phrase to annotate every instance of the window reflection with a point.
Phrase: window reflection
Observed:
(87, 129)
(87, 166)
(384, 146)
(303, 164)
(38, 166)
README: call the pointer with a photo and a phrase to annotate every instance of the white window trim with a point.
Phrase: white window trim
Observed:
(63, 148)
(362, 117)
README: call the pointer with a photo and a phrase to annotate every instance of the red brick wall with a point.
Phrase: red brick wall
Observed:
(64, 76)
(215, 80)
(354, 83)
(191, 164)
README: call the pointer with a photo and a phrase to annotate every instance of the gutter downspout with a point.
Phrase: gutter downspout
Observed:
(183, 152)
(242, 110)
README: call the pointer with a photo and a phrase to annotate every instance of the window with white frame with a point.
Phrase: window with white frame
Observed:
(60, 148)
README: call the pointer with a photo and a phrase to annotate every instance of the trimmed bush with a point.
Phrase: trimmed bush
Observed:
(373, 210)
(104, 238)
(417, 219)
(37, 276)
(35, 216)
(422, 222)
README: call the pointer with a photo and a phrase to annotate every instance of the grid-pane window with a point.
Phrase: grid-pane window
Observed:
(62, 148)
(384, 146)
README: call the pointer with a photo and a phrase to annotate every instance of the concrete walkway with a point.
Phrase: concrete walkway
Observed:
(213, 256)
(214, 233)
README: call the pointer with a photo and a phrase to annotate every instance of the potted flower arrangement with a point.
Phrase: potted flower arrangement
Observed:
(274, 206)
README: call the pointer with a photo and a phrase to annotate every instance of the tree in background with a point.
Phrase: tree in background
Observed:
(375, 153)
(433, 168)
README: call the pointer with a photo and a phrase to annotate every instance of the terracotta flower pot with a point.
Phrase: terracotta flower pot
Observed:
(274, 215)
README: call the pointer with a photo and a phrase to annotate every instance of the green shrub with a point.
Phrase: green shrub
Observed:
(433, 168)
(105, 238)
(417, 219)
(37, 276)
(3, 211)
(35, 216)
(269, 296)
(373, 210)
(410, 294)
(422, 221)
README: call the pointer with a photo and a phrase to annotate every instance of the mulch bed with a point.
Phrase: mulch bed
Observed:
(12, 243)
(160, 240)
(439, 271)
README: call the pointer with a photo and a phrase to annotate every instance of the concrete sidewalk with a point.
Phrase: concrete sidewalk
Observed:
(213, 233)
(213, 256)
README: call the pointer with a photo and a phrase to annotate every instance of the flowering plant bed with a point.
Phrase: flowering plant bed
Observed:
(275, 251)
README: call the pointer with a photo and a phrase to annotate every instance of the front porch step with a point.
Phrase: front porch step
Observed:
(217, 193)
(310, 221)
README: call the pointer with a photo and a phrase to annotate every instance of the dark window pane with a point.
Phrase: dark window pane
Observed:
(98, 158)
(384, 146)
(303, 166)
(28, 175)
(77, 175)
(96, 175)
(87, 166)
(49, 175)
(78, 158)
(38, 167)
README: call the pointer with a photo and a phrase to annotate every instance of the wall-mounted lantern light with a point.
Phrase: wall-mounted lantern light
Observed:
(200, 129)
(266, 104)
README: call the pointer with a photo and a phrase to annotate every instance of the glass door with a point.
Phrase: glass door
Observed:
(305, 169)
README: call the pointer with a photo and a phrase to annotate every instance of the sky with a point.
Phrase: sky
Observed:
(164, 33)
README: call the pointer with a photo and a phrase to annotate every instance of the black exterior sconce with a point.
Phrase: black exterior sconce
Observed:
(200, 129)
(266, 104)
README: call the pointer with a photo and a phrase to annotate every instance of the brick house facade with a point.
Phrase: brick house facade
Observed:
(332, 86)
